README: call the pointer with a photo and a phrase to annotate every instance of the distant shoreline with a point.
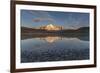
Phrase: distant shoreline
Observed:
(39, 31)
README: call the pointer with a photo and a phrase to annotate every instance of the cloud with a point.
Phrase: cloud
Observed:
(42, 19)
(42, 16)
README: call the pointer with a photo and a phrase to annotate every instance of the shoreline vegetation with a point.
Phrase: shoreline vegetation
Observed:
(33, 30)
(26, 30)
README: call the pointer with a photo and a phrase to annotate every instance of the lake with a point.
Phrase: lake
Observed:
(54, 48)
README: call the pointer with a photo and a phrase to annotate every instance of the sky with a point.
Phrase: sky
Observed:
(69, 20)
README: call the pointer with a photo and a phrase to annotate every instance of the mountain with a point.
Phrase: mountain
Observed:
(83, 29)
(51, 27)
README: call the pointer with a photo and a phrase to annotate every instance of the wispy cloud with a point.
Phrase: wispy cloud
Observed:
(41, 16)
(42, 19)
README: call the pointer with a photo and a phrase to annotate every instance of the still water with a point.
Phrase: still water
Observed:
(53, 48)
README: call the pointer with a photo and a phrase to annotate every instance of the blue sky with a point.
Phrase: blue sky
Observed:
(34, 18)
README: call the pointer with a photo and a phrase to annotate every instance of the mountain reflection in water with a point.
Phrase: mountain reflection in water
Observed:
(51, 39)
(54, 48)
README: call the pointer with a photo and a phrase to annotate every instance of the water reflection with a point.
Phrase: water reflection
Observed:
(54, 48)
(51, 39)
